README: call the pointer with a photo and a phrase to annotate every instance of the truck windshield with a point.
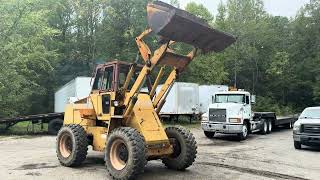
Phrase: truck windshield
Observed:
(310, 114)
(229, 98)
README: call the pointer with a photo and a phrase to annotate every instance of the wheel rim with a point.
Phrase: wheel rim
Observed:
(65, 145)
(265, 128)
(244, 131)
(270, 126)
(119, 154)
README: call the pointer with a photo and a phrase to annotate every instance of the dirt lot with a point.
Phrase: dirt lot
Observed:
(259, 157)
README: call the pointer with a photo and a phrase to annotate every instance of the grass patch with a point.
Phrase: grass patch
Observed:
(25, 128)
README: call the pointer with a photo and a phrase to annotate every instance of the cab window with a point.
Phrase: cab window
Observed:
(247, 100)
(229, 98)
(103, 79)
(98, 80)
(108, 78)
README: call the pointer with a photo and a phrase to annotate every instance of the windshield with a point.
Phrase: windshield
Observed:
(310, 114)
(229, 98)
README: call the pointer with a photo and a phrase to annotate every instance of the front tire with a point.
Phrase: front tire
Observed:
(297, 145)
(184, 147)
(209, 134)
(125, 153)
(72, 145)
(244, 134)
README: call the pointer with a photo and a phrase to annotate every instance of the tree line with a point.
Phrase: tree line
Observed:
(44, 44)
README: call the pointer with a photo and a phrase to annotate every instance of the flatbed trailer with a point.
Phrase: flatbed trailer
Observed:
(260, 117)
(277, 121)
(54, 120)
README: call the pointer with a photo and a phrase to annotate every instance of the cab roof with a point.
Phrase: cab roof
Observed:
(234, 92)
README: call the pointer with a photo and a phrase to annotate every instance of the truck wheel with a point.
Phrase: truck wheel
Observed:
(289, 125)
(184, 148)
(72, 145)
(125, 153)
(54, 126)
(209, 134)
(269, 127)
(264, 129)
(244, 134)
(297, 145)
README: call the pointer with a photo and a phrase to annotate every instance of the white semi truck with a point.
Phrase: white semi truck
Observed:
(231, 113)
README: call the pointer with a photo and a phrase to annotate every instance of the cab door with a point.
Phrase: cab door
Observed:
(103, 93)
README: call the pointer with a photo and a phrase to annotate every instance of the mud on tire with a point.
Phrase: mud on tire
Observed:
(185, 148)
(125, 153)
(72, 145)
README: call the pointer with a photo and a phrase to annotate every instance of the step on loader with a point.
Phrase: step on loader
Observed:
(123, 122)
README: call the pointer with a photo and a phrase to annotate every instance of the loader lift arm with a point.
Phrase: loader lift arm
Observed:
(164, 56)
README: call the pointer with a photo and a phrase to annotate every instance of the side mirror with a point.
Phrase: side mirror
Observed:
(253, 99)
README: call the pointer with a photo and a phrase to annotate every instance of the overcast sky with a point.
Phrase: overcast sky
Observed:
(275, 7)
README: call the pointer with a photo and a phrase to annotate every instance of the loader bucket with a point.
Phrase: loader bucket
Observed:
(178, 25)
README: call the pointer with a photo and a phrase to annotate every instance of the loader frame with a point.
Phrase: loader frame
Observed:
(124, 122)
(129, 107)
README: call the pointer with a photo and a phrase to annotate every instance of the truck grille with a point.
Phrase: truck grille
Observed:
(217, 115)
(310, 128)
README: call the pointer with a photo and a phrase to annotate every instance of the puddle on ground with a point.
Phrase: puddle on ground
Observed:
(33, 174)
(35, 166)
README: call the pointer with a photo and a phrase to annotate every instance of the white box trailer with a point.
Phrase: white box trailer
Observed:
(205, 95)
(183, 99)
(74, 90)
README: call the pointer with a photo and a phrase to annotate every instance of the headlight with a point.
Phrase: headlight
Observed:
(235, 120)
(296, 127)
(115, 103)
(204, 118)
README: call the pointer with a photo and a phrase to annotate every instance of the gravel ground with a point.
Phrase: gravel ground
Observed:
(259, 157)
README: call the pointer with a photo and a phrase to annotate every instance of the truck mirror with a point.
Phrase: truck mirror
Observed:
(253, 99)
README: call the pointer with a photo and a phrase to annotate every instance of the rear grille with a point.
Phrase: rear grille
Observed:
(311, 128)
(217, 115)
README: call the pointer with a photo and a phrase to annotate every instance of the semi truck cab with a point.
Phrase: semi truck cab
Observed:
(230, 113)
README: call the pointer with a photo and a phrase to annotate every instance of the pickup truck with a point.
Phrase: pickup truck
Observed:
(231, 113)
(306, 129)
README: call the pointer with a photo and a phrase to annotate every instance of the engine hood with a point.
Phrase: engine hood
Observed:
(233, 109)
(308, 121)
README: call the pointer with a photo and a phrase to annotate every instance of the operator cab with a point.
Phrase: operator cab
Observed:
(112, 75)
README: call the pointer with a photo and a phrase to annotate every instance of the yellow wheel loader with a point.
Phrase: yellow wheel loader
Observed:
(123, 122)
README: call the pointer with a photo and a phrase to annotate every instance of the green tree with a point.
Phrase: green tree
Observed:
(25, 60)
(200, 11)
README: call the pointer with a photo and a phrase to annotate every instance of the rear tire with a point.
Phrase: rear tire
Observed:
(264, 129)
(184, 147)
(72, 145)
(290, 125)
(54, 126)
(269, 126)
(209, 134)
(297, 145)
(125, 153)
(244, 134)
